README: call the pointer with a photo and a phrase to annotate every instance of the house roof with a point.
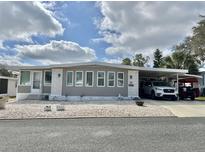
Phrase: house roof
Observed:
(108, 65)
(6, 77)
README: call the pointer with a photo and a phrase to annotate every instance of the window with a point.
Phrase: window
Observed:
(69, 78)
(25, 78)
(120, 79)
(111, 79)
(47, 77)
(148, 84)
(79, 79)
(101, 79)
(89, 79)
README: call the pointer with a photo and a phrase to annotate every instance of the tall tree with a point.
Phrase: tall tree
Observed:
(4, 72)
(158, 59)
(193, 68)
(127, 61)
(140, 60)
(191, 60)
(175, 60)
(181, 60)
(198, 39)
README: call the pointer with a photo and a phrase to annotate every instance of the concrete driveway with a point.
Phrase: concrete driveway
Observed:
(181, 108)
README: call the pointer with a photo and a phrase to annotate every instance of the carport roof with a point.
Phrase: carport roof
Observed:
(181, 75)
(165, 70)
(191, 76)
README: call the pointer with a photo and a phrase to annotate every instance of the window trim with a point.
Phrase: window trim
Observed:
(121, 79)
(47, 84)
(29, 78)
(111, 79)
(32, 78)
(76, 79)
(86, 79)
(67, 78)
(98, 78)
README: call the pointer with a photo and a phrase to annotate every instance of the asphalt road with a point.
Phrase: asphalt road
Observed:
(103, 134)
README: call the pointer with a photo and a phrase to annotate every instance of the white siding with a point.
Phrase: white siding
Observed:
(133, 83)
(12, 87)
(57, 81)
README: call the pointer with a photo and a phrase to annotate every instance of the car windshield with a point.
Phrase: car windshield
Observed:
(161, 84)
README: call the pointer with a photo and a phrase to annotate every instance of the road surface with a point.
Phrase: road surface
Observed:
(103, 134)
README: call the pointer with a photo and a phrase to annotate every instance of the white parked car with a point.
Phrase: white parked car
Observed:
(159, 89)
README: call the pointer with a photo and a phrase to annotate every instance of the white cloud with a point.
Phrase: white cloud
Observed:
(115, 61)
(132, 27)
(1, 45)
(10, 60)
(27, 19)
(22, 20)
(56, 52)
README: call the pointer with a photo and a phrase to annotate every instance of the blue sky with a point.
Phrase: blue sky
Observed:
(81, 27)
(41, 33)
(77, 19)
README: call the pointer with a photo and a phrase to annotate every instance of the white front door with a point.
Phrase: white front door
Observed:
(133, 83)
(36, 82)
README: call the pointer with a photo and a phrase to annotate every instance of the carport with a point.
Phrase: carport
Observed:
(162, 74)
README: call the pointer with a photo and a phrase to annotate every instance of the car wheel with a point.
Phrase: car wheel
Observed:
(174, 98)
(193, 98)
(153, 95)
(142, 93)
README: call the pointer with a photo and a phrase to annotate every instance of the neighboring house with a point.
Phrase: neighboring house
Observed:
(202, 81)
(91, 81)
(8, 86)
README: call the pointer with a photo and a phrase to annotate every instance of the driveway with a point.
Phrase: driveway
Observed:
(103, 134)
(181, 108)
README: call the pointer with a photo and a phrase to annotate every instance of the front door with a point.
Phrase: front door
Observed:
(36, 82)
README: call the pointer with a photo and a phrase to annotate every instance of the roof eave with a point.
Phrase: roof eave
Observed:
(106, 64)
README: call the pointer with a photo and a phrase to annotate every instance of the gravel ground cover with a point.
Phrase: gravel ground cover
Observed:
(35, 109)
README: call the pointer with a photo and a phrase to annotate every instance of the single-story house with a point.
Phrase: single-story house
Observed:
(8, 86)
(89, 81)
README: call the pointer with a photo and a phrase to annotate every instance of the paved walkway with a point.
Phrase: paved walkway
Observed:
(181, 108)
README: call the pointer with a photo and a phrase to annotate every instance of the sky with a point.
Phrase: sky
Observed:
(43, 33)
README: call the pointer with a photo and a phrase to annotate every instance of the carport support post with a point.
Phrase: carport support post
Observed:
(177, 86)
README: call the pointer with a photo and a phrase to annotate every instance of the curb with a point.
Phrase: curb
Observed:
(91, 118)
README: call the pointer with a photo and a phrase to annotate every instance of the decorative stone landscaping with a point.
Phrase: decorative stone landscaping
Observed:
(3, 100)
(35, 109)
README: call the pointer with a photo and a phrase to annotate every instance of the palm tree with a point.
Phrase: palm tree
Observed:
(176, 60)
(182, 60)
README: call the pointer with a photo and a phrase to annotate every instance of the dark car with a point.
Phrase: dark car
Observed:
(187, 92)
(188, 88)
